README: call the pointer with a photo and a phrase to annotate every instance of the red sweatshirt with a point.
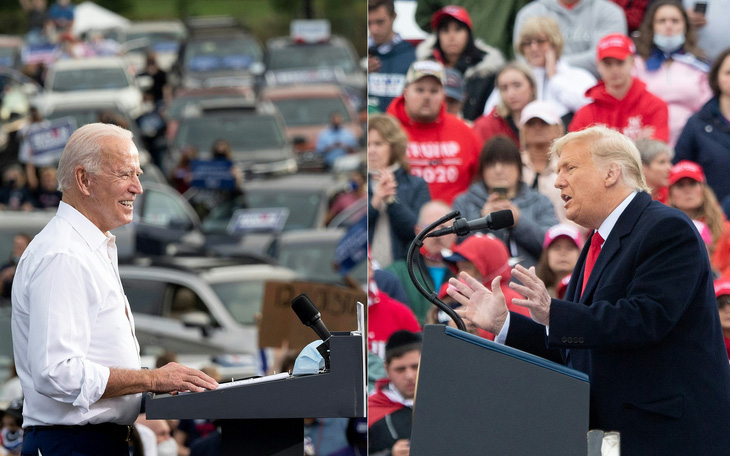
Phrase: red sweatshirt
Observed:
(444, 152)
(638, 109)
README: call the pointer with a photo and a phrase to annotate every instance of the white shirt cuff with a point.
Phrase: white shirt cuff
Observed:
(502, 336)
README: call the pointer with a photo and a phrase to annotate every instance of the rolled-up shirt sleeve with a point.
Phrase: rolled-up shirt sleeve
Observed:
(67, 305)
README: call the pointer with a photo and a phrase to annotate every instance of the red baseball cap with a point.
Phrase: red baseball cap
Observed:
(686, 168)
(722, 287)
(562, 230)
(457, 12)
(616, 45)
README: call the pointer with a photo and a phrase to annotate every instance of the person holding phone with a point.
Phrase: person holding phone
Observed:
(501, 188)
(710, 19)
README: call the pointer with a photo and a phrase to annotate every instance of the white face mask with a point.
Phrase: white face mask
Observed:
(669, 43)
(167, 448)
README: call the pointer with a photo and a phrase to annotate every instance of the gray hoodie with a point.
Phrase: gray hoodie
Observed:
(583, 26)
(537, 214)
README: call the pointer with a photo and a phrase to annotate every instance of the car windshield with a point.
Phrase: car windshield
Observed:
(89, 79)
(297, 57)
(85, 116)
(215, 55)
(242, 299)
(299, 112)
(158, 41)
(243, 132)
(303, 208)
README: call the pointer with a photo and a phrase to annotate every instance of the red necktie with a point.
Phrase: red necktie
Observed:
(593, 251)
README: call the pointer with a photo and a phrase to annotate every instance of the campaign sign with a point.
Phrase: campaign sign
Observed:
(269, 220)
(39, 53)
(47, 139)
(353, 247)
(212, 174)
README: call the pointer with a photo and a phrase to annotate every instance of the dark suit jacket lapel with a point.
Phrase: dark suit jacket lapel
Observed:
(612, 245)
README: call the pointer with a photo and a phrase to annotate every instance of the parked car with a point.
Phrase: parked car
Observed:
(306, 111)
(255, 132)
(311, 253)
(218, 57)
(200, 306)
(161, 37)
(305, 198)
(330, 59)
(98, 78)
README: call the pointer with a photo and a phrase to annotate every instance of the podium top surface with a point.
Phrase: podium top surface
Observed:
(513, 352)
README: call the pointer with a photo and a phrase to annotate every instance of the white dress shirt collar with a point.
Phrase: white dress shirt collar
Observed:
(607, 226)
(86, 229)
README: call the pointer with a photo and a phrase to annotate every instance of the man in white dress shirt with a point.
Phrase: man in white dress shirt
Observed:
(75, 348)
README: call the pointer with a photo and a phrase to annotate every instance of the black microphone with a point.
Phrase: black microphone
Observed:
(494, 221)
(310, 316)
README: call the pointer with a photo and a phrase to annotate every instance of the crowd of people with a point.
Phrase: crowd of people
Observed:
(655, 71)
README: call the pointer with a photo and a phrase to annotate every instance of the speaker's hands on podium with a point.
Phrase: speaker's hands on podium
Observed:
(174, 378)
(484, 307)
(537, 298)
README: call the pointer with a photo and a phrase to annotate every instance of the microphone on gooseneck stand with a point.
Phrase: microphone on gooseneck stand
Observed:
(494, 221)
(310, 316)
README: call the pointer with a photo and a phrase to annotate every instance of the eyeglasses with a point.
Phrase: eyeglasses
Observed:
(530, 41)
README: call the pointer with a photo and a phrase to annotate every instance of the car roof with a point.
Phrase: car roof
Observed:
(156, 26)
(91, 62)
(211, 269)
(285, 41)
(316, 236)
(302, 91)
(298, 181)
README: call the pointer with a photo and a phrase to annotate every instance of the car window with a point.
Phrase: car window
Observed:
(214, 55)
(242, 299)
(162, 209)
(243, 133)
(184, 301)
(304, 207)
(310, 111)
(310, 56)
(313, 261)
(89, 79)
(145, 296)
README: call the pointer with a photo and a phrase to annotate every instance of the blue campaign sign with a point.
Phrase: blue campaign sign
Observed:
(47, 139)
(212, 174)
(353, 248)
(269, 220)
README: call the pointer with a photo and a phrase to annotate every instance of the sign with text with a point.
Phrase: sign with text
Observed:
(47, 139)
(212, 174)
(338, 306)
(258, 220)
(353, 248)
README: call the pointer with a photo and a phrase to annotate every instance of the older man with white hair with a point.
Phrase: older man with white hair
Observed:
(75, 349)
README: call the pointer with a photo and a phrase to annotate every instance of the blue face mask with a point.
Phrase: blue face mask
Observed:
(669, 44)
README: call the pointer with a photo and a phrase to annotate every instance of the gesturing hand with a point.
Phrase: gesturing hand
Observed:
(481, 306)
(537, 298)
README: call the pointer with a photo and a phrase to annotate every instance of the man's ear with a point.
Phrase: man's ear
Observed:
(82, 178)
(612, 175)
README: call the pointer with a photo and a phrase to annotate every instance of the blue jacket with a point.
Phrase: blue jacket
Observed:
(706, 140)
(537, 214)
(412, 193)
(389, 81)
(647, 332)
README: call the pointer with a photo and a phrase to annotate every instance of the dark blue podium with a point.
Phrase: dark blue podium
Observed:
(267, 418)
(476, 397)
